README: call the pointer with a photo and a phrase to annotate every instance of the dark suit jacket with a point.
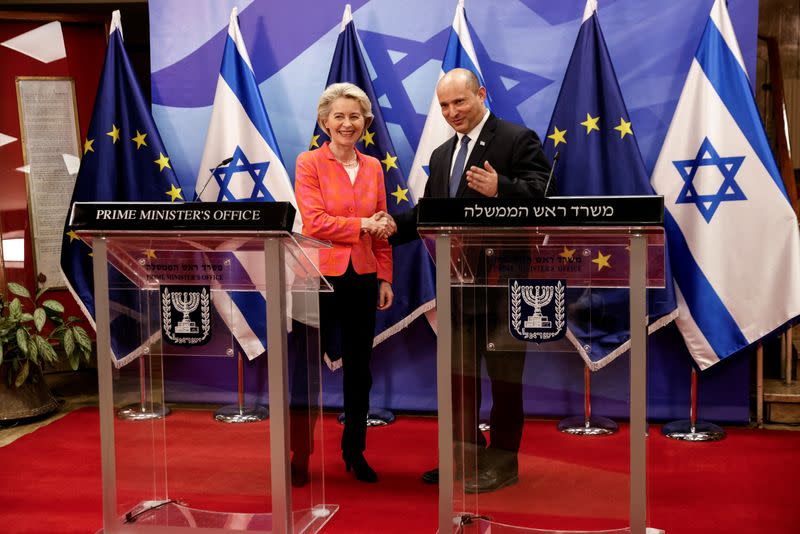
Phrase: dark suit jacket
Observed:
(515, 153)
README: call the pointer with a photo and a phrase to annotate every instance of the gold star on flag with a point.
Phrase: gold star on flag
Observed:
(174, 193)
(389, 161)
(150, 253)
(367, 138)
(313, 142)
(623, 128)
(163, 161)
(139, 139)
(591, 123)
(602, 261)
(72, 236)
(558, 136)
(114, 133)
(400, 194)
(87, 146)
(567, 253)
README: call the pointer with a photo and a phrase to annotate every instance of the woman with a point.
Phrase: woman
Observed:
(342, 199)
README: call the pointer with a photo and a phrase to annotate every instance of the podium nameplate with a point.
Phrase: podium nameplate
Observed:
(553, 211)
(183, 216)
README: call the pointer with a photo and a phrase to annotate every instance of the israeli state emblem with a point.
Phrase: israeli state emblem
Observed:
(186, 314)
(536, 309)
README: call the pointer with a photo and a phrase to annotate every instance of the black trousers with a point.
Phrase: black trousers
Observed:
(350, 312)
(504, 367)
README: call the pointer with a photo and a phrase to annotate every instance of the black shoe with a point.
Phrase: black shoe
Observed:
(360, 467)
(431, 476)
(491, 479)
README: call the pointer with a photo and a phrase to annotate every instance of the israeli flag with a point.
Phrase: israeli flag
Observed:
(459, 54)
(241, 161)
(732, 233)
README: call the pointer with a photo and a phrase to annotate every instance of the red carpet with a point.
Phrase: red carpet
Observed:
(747, 483)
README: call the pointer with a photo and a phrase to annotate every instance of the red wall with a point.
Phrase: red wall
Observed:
(85, 43)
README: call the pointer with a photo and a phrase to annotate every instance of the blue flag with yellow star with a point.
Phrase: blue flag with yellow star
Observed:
(123, 160)
(598, 155)
(414, 272)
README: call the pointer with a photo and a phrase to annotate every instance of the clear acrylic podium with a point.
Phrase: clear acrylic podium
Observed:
(485, 252)
(179, 287)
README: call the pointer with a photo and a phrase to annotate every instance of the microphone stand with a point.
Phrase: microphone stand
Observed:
(210, 176)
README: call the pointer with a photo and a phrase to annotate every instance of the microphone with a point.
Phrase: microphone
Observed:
(550, 177)
(211, 175)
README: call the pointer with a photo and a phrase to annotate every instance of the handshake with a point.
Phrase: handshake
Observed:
(381, 225)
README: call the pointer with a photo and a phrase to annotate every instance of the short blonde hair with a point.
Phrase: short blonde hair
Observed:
(343, 90)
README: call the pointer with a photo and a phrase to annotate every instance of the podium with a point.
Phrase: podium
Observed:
(505, 270)
(179, 288)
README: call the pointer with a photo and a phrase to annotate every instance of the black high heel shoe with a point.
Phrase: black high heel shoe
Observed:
(360, 467)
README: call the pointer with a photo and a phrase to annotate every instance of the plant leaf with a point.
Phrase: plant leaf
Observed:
(25, 317)
(41, 292)
(46, 350)
(82, 338)
(19, 290)
(74, 319)
(22, 340)
(69, 342)
(15, 308)
(53, 305)
(33, 350)
(42, 346)
(74, 361)
(39, 318)
(23, 374)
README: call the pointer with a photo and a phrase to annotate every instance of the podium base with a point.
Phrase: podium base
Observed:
(377, 417)
(142, 412)
(233, 413)
(174, 516)
(701, 431)
(593, 426)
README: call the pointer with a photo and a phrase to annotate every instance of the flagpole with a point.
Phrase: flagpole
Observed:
(691, 429)
(239, 413)
(588, 424)
(142, 411)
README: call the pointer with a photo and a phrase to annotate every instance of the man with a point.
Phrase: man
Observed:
(487, 157)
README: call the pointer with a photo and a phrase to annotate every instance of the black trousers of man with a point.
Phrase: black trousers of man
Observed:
(475, 319)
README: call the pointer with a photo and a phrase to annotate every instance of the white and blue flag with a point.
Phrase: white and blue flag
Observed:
(241, 161)
(460, 53)
(732, 233)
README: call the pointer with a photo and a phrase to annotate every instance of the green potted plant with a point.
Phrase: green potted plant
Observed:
(34, 331)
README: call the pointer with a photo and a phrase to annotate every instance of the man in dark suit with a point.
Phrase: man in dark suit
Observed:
(487, 157)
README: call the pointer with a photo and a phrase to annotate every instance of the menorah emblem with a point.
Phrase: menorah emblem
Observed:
(538, 297)
(545, 298)
(186, 302)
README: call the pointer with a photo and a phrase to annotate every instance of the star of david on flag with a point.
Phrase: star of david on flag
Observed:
(728, 189)
(252, 178)
(592, 131)
(241, 161)
(413, 271)
(123, 160)
(732, 234)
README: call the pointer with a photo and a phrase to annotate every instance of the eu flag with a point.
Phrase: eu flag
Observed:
(414, 290)
(598, 155)
(123, 160)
